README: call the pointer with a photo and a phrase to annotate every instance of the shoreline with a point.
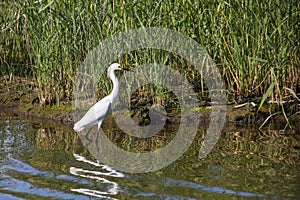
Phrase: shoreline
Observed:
(20, 96)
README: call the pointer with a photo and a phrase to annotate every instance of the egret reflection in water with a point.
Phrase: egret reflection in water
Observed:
(112, 187)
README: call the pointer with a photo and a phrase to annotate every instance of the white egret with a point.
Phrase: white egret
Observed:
(98, 112)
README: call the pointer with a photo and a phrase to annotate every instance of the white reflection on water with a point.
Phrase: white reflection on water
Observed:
(114, 188)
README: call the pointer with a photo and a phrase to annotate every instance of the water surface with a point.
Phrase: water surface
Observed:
(40, 160)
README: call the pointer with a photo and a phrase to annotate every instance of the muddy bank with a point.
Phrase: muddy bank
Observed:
(20, 95)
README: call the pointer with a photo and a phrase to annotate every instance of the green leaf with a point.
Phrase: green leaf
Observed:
(292, 92)
(45, 7)
(267, 119)
(267, 93)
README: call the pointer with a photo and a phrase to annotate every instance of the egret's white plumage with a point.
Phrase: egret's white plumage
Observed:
(98, 112)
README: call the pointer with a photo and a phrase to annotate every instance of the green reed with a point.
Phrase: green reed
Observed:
(254, 43)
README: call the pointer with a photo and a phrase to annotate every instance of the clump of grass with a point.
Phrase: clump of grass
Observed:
(14, 56)
(254, 44)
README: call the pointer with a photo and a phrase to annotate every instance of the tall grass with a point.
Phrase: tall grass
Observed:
(254, 43)
(13, 33)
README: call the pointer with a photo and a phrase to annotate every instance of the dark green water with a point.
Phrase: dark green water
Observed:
(40, 160)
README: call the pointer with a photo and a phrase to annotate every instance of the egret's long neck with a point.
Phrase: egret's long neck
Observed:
(115, 90)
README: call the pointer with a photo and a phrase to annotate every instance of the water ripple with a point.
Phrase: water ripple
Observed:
(112, 187)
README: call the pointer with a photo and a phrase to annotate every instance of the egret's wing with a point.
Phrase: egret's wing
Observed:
(102, 108)
(95, 114)
(108, 110)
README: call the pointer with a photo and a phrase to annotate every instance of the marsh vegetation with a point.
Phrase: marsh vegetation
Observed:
(254, 44)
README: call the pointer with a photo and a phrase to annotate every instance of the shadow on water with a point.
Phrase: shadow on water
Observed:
(40, 160)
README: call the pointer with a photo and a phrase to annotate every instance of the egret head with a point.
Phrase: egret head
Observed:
(115, 66)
